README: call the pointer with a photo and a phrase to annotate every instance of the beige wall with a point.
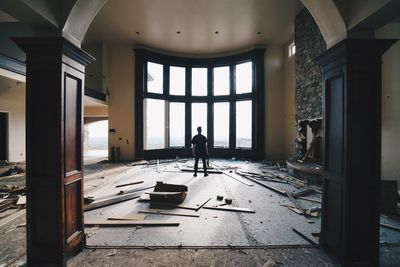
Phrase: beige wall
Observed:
(96, 111)
(289, 112)
(12, 100)
(274, 104)
(390, 104)
(121, 109)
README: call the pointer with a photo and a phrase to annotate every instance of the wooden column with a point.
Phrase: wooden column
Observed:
(54, 109)
(351, 163)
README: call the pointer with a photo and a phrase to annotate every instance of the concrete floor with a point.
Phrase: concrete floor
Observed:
(197, 241)
(271, 224)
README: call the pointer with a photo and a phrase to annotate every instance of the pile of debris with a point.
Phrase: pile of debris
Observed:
(12, 171)
(11, 197)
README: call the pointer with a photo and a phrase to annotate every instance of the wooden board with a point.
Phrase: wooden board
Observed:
(171, 213)
(200, 170)
(103, 222)
(237, 178)
(132, 217)
(127, 184)
(236, 209)
(21, 200)
(111, 201)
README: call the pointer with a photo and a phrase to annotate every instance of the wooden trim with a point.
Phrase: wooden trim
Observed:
(12, 64)
(95, 94)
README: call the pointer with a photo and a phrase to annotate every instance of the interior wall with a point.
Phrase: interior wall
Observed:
(96, 111)
(121, 108)
(390, 105)
(94, 71)
(274, 103)
(12, 100)
(289, 112)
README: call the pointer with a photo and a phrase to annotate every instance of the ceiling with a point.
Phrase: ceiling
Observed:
(194, 26)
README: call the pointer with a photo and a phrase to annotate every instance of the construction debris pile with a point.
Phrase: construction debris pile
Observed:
(170, 201)
(12, 199)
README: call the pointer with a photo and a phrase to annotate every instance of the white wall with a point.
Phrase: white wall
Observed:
(121, 105)
(12, 100)
(390, 104)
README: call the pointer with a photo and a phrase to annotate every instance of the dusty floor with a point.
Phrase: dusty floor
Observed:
(253, 250)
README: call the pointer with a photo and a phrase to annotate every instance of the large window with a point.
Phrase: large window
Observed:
(154, 78)
(154, 123)
(243, 124)
(199, 81)
(177, 124)
(221, 124)
(199, 117)
(218, 94)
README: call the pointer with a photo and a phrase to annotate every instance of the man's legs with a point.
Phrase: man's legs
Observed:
(203, 158)
(196, 165)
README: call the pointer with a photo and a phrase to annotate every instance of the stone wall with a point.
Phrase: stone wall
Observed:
(309, 44)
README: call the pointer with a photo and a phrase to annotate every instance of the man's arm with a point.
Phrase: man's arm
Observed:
(193, 149)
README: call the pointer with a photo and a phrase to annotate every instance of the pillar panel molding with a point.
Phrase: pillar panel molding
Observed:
(351, 162)
(54, 135)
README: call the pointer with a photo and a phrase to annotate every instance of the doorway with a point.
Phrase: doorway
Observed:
(3, 136)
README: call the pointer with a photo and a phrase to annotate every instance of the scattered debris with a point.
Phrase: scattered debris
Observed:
(230, 209)
(132, 183)
(103, 222)
(390, 227)
(172, 213)
(132, 217)
(228, 200)
(111, 201)
(169, 193)
(203, 204)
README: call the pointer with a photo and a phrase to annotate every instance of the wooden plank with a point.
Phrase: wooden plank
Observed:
(297, 204)
(203, 204)
(236, 209)
(12, 217)
(201, 170)
(171, 213)
(134, 190)
(21, 200)
(132, 217)
(132, 183)
(103, 222)
(273, 188)
(162, 193)
(390, 227)
(236, 178)
(302, 193)
(111, 201)
(310, 199)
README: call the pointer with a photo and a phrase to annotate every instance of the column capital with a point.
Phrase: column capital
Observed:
(54, 44)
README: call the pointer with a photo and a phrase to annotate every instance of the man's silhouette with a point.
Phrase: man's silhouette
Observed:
(200, 150)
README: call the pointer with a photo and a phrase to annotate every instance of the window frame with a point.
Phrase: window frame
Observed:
(256, 56)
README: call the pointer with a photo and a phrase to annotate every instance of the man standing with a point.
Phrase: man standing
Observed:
(200, 150)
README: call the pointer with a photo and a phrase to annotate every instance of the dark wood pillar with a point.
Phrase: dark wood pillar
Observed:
(351, 164)
(54, 90)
